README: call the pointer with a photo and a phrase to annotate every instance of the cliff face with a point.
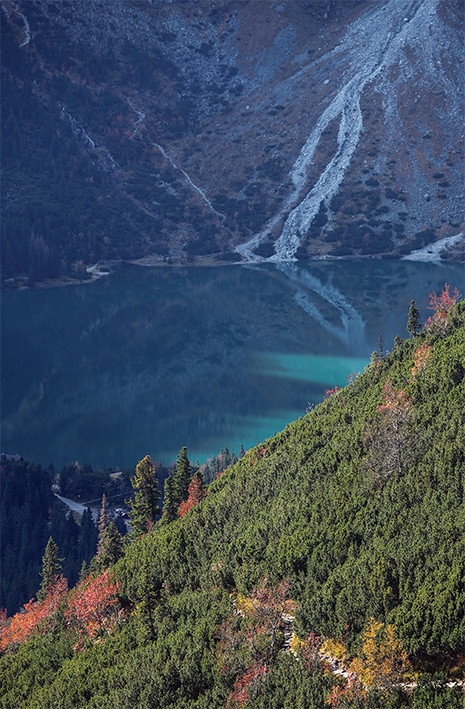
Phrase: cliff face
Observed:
(239, 129)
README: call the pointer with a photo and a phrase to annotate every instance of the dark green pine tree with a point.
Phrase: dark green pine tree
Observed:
(111, 548)
(51, 568)
(182, 477)
(88, 538)
(103, 523)
(85, 571)
(170, 509)
(144, 504)
(380, 344)
(413, 322)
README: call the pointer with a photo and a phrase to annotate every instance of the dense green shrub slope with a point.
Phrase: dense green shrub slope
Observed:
(360, 504)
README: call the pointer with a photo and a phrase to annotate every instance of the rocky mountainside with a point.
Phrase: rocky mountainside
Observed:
(231, 129)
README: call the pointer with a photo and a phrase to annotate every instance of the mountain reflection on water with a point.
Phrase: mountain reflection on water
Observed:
(148, 360)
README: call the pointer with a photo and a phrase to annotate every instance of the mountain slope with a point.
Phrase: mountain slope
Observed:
(360, 505)
(186, 130)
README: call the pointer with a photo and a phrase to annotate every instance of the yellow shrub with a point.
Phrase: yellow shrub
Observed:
(334, 648)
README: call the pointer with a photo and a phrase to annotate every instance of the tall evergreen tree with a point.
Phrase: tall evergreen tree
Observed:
(51, 568)
(380, 344)
(144, 504)
(103, 523)
(170, 509)
(182, 477)
(111, 548)
(88, 538)
(413, 322)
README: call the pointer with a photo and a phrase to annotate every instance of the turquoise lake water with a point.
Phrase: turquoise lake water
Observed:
(148, 360)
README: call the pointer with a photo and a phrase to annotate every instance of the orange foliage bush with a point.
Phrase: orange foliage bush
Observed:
(196, 493)
(33, 617)
(93, 606)
(421, 357)
(395, 401)
(441, 304)
(241, 692)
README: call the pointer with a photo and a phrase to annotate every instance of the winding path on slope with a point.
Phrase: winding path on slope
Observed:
(334, 665)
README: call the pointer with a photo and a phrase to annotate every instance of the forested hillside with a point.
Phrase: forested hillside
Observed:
(29, 514)
(339, 540)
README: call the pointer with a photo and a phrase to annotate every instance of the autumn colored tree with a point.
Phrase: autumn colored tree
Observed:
(387, 440)
(382, 660)
(395, 402)
(351, 693)
(196, 492)
(413, 322)
(144, 504)
(35, 616)
(92, 606)
(50, 604)
(421, 357)
(330, 392)
(249, 639)
(442, 305)
(51, 568)
(309, 650)
(246, 685)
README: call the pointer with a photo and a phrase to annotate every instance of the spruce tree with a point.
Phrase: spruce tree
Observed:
(413, 322)
(51, 568)
(103, 523)
(85, 571)
(182, 477)
(144, 504)
(88, 537)
(380, 344)
(170, 509)
(111, 547)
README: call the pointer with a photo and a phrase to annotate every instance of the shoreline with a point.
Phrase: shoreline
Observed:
(62, 281)
(428, 254)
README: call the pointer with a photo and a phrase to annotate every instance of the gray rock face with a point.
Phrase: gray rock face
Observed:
(293, 129)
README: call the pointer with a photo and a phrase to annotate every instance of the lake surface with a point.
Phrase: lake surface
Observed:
(148, 360)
